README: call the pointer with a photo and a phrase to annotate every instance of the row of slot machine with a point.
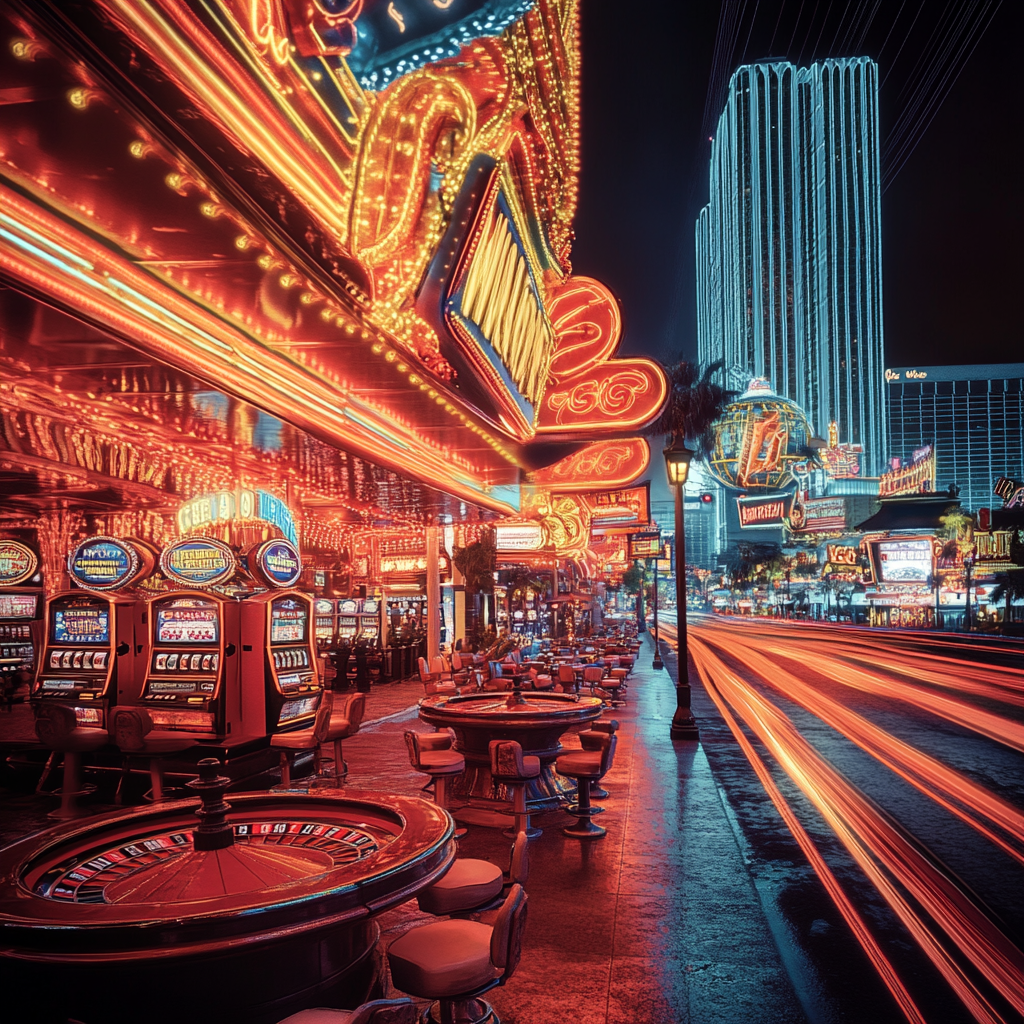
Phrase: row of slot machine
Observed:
(346, 620)
(231, 664)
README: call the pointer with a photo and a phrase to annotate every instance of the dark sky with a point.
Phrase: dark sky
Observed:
(952, 218)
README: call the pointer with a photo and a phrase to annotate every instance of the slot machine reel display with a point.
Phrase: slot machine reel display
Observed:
(266, 908)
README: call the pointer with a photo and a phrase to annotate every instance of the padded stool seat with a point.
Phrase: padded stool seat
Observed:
(443, 959)
(513, 768)
(587, 766)
(442, 762)
(468, 883)
(580, 762)
(346, 718)
(57, 728)
(309, 738)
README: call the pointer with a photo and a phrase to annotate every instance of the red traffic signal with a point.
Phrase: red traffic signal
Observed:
(707, 498)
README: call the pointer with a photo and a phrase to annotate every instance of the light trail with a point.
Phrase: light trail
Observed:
(955, 932)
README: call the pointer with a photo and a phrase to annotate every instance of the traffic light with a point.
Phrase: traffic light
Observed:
(707, 498)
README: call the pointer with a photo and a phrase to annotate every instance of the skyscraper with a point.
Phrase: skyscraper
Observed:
(789, 263)
(973, 415)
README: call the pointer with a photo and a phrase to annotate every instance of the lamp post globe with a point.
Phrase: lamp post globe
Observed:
(677, 466)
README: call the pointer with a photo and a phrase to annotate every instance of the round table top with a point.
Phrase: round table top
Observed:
(484, 710)
(107, 883)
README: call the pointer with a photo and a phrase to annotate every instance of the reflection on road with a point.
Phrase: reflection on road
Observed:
(761, 674)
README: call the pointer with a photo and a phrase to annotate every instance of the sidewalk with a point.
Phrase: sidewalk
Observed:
(657, 923)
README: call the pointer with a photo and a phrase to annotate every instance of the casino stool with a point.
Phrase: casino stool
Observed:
(586, 766)
(510, 766)
(432, 754)
(380, 1011)
(461, 668)
(457, 961)
(433, 681)
(616, 683)
(133, 733)
(540, 680)
(299, 740)
(588, 741)
(473, 887)
(346, 717)
(57, 728)
(567, 679)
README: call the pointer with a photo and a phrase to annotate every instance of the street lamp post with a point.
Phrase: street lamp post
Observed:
(677, 465)
(657, 663)
(968, 567)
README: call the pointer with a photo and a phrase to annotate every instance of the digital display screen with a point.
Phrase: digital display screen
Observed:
(904, 561)
(288, 621)
(81, 625)
(18, 606)
(188, 620)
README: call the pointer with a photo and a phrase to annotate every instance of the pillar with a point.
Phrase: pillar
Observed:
(433, 595)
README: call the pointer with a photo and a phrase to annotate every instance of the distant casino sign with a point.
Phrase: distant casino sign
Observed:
(198, 563)
(759, 513)
(18, 563)
(103, 563)
(277, 563)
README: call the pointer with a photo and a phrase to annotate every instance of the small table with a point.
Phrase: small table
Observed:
(536, 721)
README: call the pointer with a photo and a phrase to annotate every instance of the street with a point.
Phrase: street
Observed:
(895, 763)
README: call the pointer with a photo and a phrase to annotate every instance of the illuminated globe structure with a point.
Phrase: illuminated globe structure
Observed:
(759, 438)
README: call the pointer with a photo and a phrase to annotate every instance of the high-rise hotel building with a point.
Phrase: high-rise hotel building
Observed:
(789, 255)
(973, 415)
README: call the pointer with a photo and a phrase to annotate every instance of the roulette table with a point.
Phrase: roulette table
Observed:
(536, 721)
(265, 908)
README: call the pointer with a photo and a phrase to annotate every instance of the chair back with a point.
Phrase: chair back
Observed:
(412, 743)
(439, 665)
(322, 722)
(129, 727)
(566, 674)
(55, 724)
(519, 864)
(424, 670)
(507, 935)
(495, 667)
(457, 665)
(593, 674)
(506, 759)
(355, 708)
(608, 754)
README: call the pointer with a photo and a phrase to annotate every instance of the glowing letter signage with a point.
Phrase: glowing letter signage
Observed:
(198, 563)
(18, 562)
(103, 563)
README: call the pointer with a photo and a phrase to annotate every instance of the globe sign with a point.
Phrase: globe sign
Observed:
(758, 440)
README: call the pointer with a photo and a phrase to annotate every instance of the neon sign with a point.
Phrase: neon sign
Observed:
(1011, 491)
(518, 537)
(18, 562)
(103, 563)
(229, 506)
(198, 563)
(756, 513)
(277, 563)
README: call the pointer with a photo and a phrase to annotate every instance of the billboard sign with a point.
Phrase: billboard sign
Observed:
(904, 561)
(763, 513)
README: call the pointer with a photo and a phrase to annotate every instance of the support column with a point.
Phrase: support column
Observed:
(458, 596)
(433, 595)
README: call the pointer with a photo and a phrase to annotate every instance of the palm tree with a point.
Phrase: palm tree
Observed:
(694, 403)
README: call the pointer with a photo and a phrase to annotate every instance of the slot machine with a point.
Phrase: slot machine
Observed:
(90, 652)
(192, 681)
(20, 609)
(323, 622)
(369, 622)
(19, 618)
(277, 647)
(348, 620)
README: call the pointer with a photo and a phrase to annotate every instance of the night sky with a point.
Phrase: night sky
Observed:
(952, 218)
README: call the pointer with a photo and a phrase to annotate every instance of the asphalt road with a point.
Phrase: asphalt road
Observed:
(894, 765)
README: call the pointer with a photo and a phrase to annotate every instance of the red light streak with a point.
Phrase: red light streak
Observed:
(953, 931)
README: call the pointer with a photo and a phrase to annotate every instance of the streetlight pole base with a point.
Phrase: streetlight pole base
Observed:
(657, 663)
(684, 726)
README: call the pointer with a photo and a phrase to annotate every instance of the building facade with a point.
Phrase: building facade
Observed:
(789, 266)
(973, 415)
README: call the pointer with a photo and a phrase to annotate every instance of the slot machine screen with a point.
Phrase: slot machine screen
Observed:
(188, 620)
(18, 606)
(83, 624)
(288, 621)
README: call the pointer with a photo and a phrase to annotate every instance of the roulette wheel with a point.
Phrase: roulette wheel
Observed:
(263, 907)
